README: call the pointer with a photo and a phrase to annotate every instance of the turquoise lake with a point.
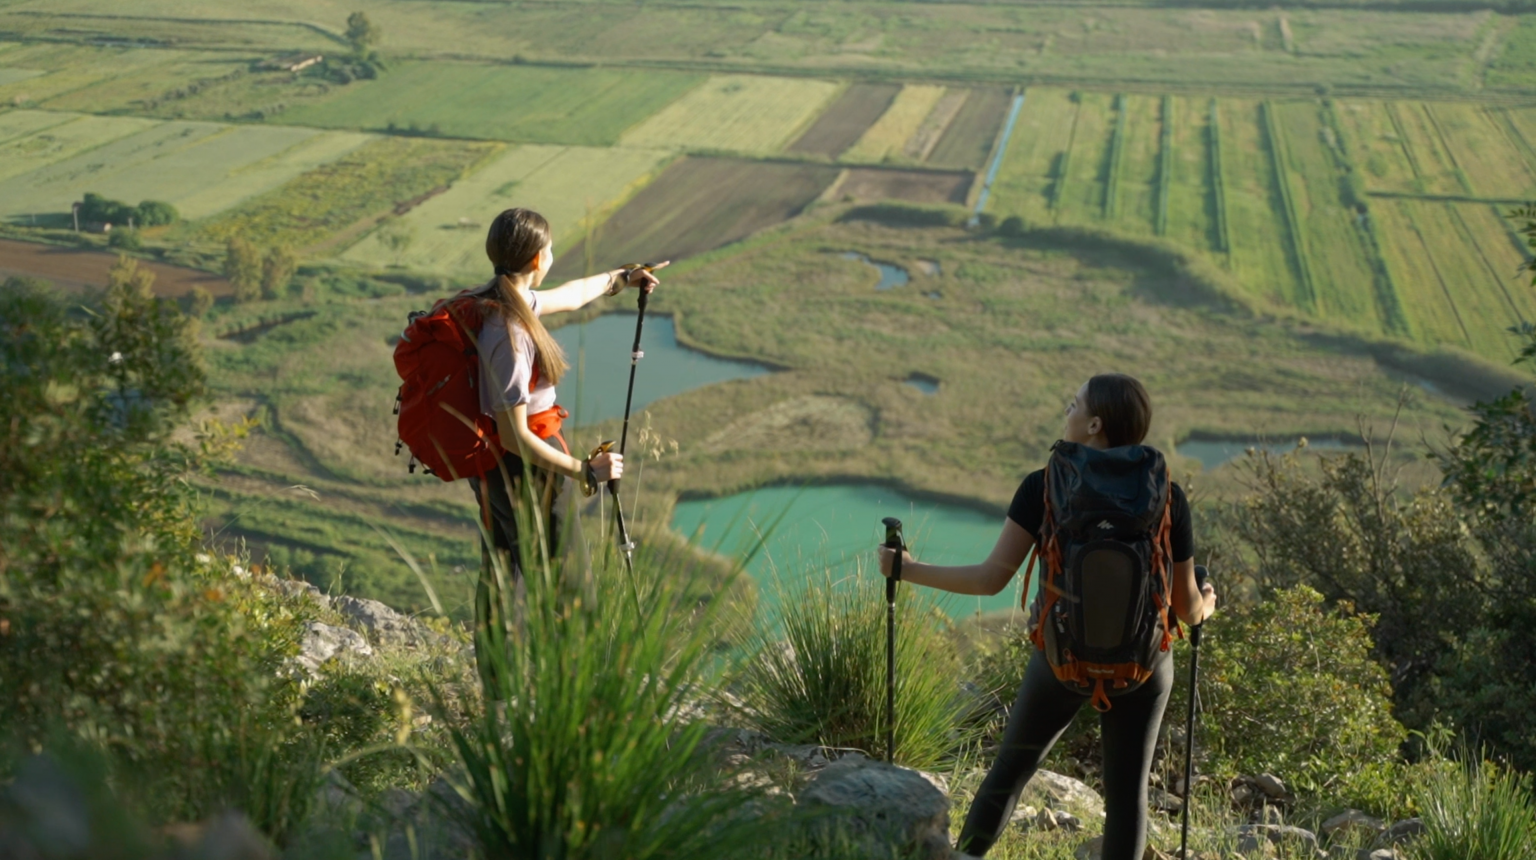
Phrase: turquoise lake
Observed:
(838, 526)
(599, 353)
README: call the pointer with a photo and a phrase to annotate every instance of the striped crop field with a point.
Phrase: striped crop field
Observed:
(1456, 273)
(887, 139)
(133, 89)
(46, 70)
(968, 139)
(1256, 222)
(1079, 193)
(446, 234)
(1036, 152)
(1136, 182)
(200, 168)
(1338, 258)
(1379, 149)
(843, 122)
(1484, 148)
(16, 124)
(534, 104)
(53, 142)
(1434, 166)
(1192, 175)
(735, 113)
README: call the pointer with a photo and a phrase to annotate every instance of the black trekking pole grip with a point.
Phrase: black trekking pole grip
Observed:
(1202, 576)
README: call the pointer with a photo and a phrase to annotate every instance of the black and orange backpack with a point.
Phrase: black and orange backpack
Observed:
(1102, 615)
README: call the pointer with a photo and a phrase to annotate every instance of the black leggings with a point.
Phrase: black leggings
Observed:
(1041, 713)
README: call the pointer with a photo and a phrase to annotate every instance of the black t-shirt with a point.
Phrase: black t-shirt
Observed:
(1028, 509)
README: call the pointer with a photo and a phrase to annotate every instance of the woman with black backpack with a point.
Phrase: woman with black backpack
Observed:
(1092, 545)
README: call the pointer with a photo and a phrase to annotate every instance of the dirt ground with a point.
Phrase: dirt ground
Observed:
(870, 184)
(75, 270)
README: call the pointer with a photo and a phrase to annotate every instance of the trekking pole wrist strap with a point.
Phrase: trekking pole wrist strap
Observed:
(589, 478)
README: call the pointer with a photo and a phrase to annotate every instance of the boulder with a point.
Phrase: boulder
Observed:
(384, 625)
(1047, 789)
(229, 836)
(1252, 837)
(1271, 785)
(301, 589)
(321, 642)
(1352, 822)
(1400, 832)
(1164, 801)
(879, 806)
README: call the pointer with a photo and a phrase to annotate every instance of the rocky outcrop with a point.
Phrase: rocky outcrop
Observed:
(1053, 790)
(322, 642)
(383, 625)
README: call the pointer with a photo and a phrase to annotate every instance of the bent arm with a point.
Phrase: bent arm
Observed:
(512, 429)
(1191, 603)
(987, 578)
(573, 295)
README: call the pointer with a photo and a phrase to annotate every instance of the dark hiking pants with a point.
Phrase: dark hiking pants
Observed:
(1041, 713)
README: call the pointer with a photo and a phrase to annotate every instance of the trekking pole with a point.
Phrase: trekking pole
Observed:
(1201, 575)
(892, 540)
(627, 546)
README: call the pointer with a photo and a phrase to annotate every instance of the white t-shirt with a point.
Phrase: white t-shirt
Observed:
(507, 368)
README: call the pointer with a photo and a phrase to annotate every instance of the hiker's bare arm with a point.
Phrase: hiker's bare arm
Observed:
(1191, 603)
(987, 578)
(578, 294)
(512, 428)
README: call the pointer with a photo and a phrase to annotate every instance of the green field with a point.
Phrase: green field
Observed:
(334, 202)
(590, 107)
(199, 168)
(735, 113)
(446, 234)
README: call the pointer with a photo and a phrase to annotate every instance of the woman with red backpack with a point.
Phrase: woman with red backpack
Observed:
(520, 365)
(1116, 547)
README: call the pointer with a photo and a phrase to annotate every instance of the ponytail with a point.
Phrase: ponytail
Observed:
(509, 302)
(515, 240)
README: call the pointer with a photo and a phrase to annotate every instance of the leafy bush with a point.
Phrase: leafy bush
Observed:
(1290, 688)
(96, 209)
(125, 240)
(824, 681)
(1476, 811)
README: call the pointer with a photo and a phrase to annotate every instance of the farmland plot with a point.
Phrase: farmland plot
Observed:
(66, 68)
(737, 113)
(1137, 174)
(845, 121)
(1378, 146)
(1260, 254)
(1490, 158)
(1036, 152)
(702, 203)
(1080, 193)
(22, 123)
(1433, 166)
(1337, 257)
(521, 103)
(887, 138)
(968, 140)
(446, 234)
(1191, 195)
(199, 168)
(136, 89)
(315, 207)
(77, 134)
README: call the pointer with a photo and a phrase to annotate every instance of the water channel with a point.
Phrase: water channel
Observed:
(836, 527)
(600, 349)
(890, 276)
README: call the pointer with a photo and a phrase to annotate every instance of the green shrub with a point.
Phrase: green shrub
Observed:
(125, 239)
(910, 214)
(824, 680)
(1290, 688)
(584, 746)
(1475, 811)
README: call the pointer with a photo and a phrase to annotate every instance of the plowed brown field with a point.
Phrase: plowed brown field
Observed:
(73, 269)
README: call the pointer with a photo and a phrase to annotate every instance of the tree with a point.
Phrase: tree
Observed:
(361, 32)
(202, 302)
(153, 213)
(277, 270)
(125, 239)
(242, 266)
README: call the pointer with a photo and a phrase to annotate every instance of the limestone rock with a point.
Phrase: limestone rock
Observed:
(1399, 833)
(300, 588)
(1053, 790)
(1271, 785)
(1352, 821)
(1164, 801)
(1093, 849)
(879, 805)
(321, 642)
(382, 623)
(1251, 837)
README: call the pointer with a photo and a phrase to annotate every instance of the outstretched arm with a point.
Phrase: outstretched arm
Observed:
(987, 578)
(572, 295)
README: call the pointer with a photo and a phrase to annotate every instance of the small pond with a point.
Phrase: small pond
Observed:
(835, 526)
(599, 349)
(923, 382)
(1213, 453)
(890, 276)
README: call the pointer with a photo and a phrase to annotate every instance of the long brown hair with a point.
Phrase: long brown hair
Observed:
(516, 238)
(1122, 404)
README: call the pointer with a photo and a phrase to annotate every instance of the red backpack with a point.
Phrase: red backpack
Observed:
(439, 400)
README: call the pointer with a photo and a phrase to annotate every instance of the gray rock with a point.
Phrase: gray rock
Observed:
(1351, 822)
(1251, 836)
(231, 836)
(1023, 815)
(1271, 785)
(1164, 801)
(384, 625)
(1378, 854)
(1045, 819)
(300, 588)
(321, 642)
(1400, 832)
(1068, 822)
(879, 804)
(1053, 790)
